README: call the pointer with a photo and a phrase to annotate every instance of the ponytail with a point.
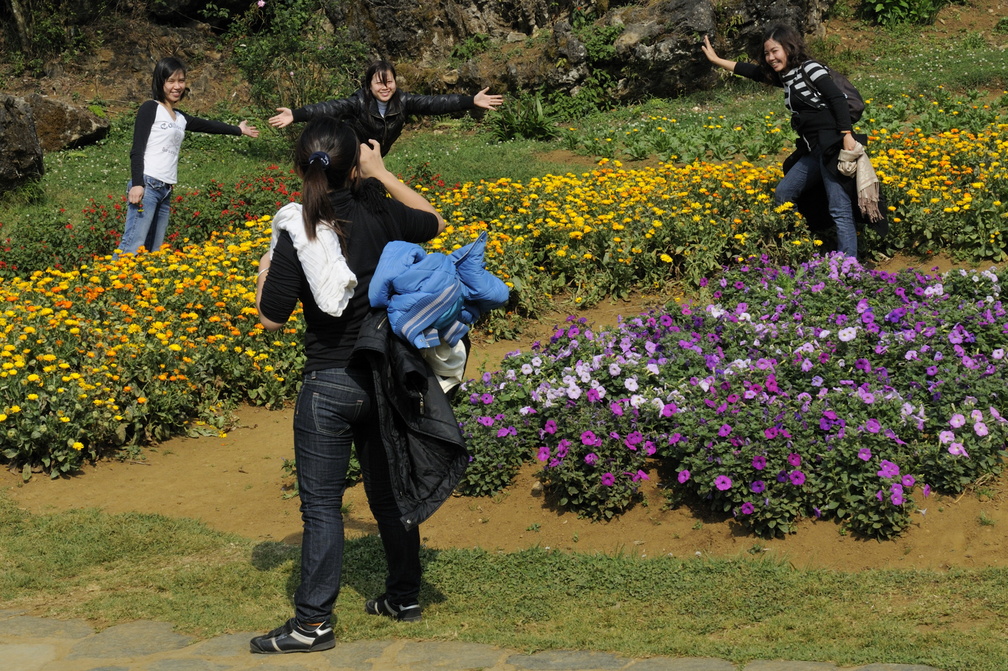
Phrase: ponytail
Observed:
(325, 156)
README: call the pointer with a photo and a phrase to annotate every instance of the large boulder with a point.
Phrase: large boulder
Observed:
(20, 151)
(60, 125)
(657, 54)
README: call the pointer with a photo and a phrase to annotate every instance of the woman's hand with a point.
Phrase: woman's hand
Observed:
(712, 56)
(283, 119)
(135, 195)
(246, 129)
(849, 143)
(487, 101)
(371, 163)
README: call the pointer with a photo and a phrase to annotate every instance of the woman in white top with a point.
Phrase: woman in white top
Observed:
(157, 137)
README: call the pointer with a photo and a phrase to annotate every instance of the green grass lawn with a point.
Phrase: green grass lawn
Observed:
(116, 568)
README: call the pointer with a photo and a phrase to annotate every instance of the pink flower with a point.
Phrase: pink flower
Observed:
(683, 476)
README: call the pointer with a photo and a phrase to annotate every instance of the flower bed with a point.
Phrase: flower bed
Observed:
(823, 390)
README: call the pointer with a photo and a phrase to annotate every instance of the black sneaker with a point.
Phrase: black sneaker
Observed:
(410, 612)
(292, 637)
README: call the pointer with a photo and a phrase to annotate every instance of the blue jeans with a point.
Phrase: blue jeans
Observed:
(336, 409)
(147, 222)
(808, 170)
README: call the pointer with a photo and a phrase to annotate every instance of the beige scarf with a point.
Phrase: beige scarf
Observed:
(856, 164)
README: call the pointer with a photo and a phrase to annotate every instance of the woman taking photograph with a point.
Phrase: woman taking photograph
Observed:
(820, 116)
(346, 190)
(378, 110)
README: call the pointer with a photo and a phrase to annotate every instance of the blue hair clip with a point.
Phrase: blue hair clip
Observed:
(319, 156)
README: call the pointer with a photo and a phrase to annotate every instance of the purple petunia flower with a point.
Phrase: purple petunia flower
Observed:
(980, 428)
(758, 487)
(683, 476)
(588, 438)
(608, 479)
(797, 478)
(864, 454)
(888, 470)
(724, 430)
(897, 499)
(550, 427)
(873, 425)
(748, 508)
(544, 453)
(957, 421)
(487, 399)
(794, 460)
(957, 450)
(722, 482)
(759, 462)
(591, 458)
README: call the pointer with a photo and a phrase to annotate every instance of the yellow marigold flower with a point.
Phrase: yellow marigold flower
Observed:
(78, 446)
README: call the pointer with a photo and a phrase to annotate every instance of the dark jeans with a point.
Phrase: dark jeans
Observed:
(801, 176)
(336, 409)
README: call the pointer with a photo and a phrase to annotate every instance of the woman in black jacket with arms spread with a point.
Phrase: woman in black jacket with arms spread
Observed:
(378, 110)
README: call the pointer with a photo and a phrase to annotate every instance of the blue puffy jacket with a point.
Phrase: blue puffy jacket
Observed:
(434, 298)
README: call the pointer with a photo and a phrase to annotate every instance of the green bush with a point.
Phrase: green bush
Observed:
(523, 117)
(897, 12)
(291, 55)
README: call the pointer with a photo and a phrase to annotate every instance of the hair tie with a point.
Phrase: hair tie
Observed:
(319, 156)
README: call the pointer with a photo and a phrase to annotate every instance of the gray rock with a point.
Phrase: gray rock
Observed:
(450, 656)
(60, 125)
(133, 639)
(20, 151)
(682, 664)
(567, 660)
(36, 628)
(26, 657)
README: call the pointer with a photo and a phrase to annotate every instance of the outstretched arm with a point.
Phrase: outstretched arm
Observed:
(247, 130)
(712, 56)
(283, 119)
(486, 100)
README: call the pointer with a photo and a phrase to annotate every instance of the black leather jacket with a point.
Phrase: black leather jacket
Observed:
(426, 451)
(362, 112)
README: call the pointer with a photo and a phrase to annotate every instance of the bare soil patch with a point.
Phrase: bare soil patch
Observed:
(236, 484)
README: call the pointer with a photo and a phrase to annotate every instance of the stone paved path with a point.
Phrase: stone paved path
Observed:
(35, 644)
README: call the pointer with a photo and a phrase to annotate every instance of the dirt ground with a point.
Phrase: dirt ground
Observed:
(236, 484)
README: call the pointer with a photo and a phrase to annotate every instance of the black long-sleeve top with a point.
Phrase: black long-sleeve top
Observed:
(370, 221)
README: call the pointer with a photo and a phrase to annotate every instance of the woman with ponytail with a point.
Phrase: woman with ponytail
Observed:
(352, 206)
